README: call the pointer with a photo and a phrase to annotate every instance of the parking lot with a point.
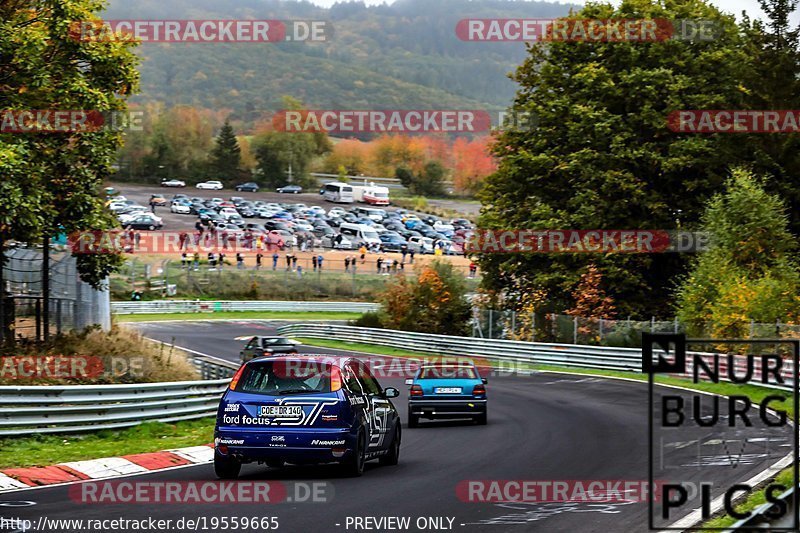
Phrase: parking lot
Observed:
(297, 222)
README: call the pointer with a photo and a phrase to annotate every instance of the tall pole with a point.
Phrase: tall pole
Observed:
(46, 287)
(2, 292)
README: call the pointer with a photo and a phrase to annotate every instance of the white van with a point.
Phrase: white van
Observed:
(359, 234)
(340, 193)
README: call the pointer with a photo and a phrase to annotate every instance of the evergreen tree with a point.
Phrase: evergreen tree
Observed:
(226, 157)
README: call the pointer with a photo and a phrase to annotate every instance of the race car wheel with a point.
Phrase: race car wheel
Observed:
(275, 463)
(393, 457)
(226, 468)
(413, 420)
(354, 466)
(482, 418)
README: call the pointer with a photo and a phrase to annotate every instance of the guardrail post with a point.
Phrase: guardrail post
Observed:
(490, 324)
(575, 330)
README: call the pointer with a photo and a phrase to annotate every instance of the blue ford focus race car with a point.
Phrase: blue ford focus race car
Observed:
(447, 391)
(305, 410)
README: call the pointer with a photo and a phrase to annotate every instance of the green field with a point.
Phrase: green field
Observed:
(240, 315)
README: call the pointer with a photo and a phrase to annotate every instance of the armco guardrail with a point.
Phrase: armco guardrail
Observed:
(565, 355)
(79, 408)
(199, 306)
(517, 351)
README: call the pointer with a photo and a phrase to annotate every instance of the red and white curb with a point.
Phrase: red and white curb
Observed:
(110, 467)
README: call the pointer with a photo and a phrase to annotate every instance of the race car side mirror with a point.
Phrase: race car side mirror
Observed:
(391, 392)
(485, 381)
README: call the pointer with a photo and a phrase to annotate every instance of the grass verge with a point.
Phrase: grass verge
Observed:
(44, 450)
(243, 315)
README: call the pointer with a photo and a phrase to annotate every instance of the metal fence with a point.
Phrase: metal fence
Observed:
(73, 304)
(561, 328)
(199, 306)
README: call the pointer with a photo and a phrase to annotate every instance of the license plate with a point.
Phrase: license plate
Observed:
(281, 411)
(448, 390)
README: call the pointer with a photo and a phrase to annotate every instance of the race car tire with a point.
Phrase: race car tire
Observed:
(226, 468)
(276, 463)
(393, 457)
(354, 465)
(413, 420)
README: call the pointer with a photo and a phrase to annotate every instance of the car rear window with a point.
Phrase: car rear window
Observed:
(448, 372)
(285, 377)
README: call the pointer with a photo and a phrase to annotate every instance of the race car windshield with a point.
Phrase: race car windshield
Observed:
(448, 372)
(285, 377)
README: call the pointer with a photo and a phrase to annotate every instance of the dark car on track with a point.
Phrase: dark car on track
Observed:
(259, 345)
(290, 189)
(447, 391)
(305, 410)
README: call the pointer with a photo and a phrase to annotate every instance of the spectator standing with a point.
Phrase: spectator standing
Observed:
(411, 255)
(473, 269)
(212, 260)
(294, 262)
(184, 261)
(320, 259)
(363, 252)
(404, 251)
(379, 262)
(314, 262)
(259, 258)
(136, 238)
(221, 260)
(288, 261)
(239, 260)
(196, 261)
(347, 264)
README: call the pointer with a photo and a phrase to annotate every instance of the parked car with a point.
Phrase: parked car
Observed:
(247, 187)
(447, 391)
(173, 183)
(211, 185)
(181, 208)
(392, 243)
(290, 189)
(145, 222)
(313, 410)
(157, 199)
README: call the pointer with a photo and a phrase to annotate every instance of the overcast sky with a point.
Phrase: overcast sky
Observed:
(731, 6)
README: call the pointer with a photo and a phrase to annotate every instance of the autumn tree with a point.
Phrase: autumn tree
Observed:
(435, 302)
(750, 272)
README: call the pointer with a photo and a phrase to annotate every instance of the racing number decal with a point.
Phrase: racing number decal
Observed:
(377, 412)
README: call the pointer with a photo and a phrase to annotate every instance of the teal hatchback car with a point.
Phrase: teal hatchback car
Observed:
(440, 391)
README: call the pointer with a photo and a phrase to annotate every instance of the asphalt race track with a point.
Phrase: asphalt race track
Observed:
(541, 427)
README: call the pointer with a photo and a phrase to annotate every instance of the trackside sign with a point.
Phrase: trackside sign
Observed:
(710, 452)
